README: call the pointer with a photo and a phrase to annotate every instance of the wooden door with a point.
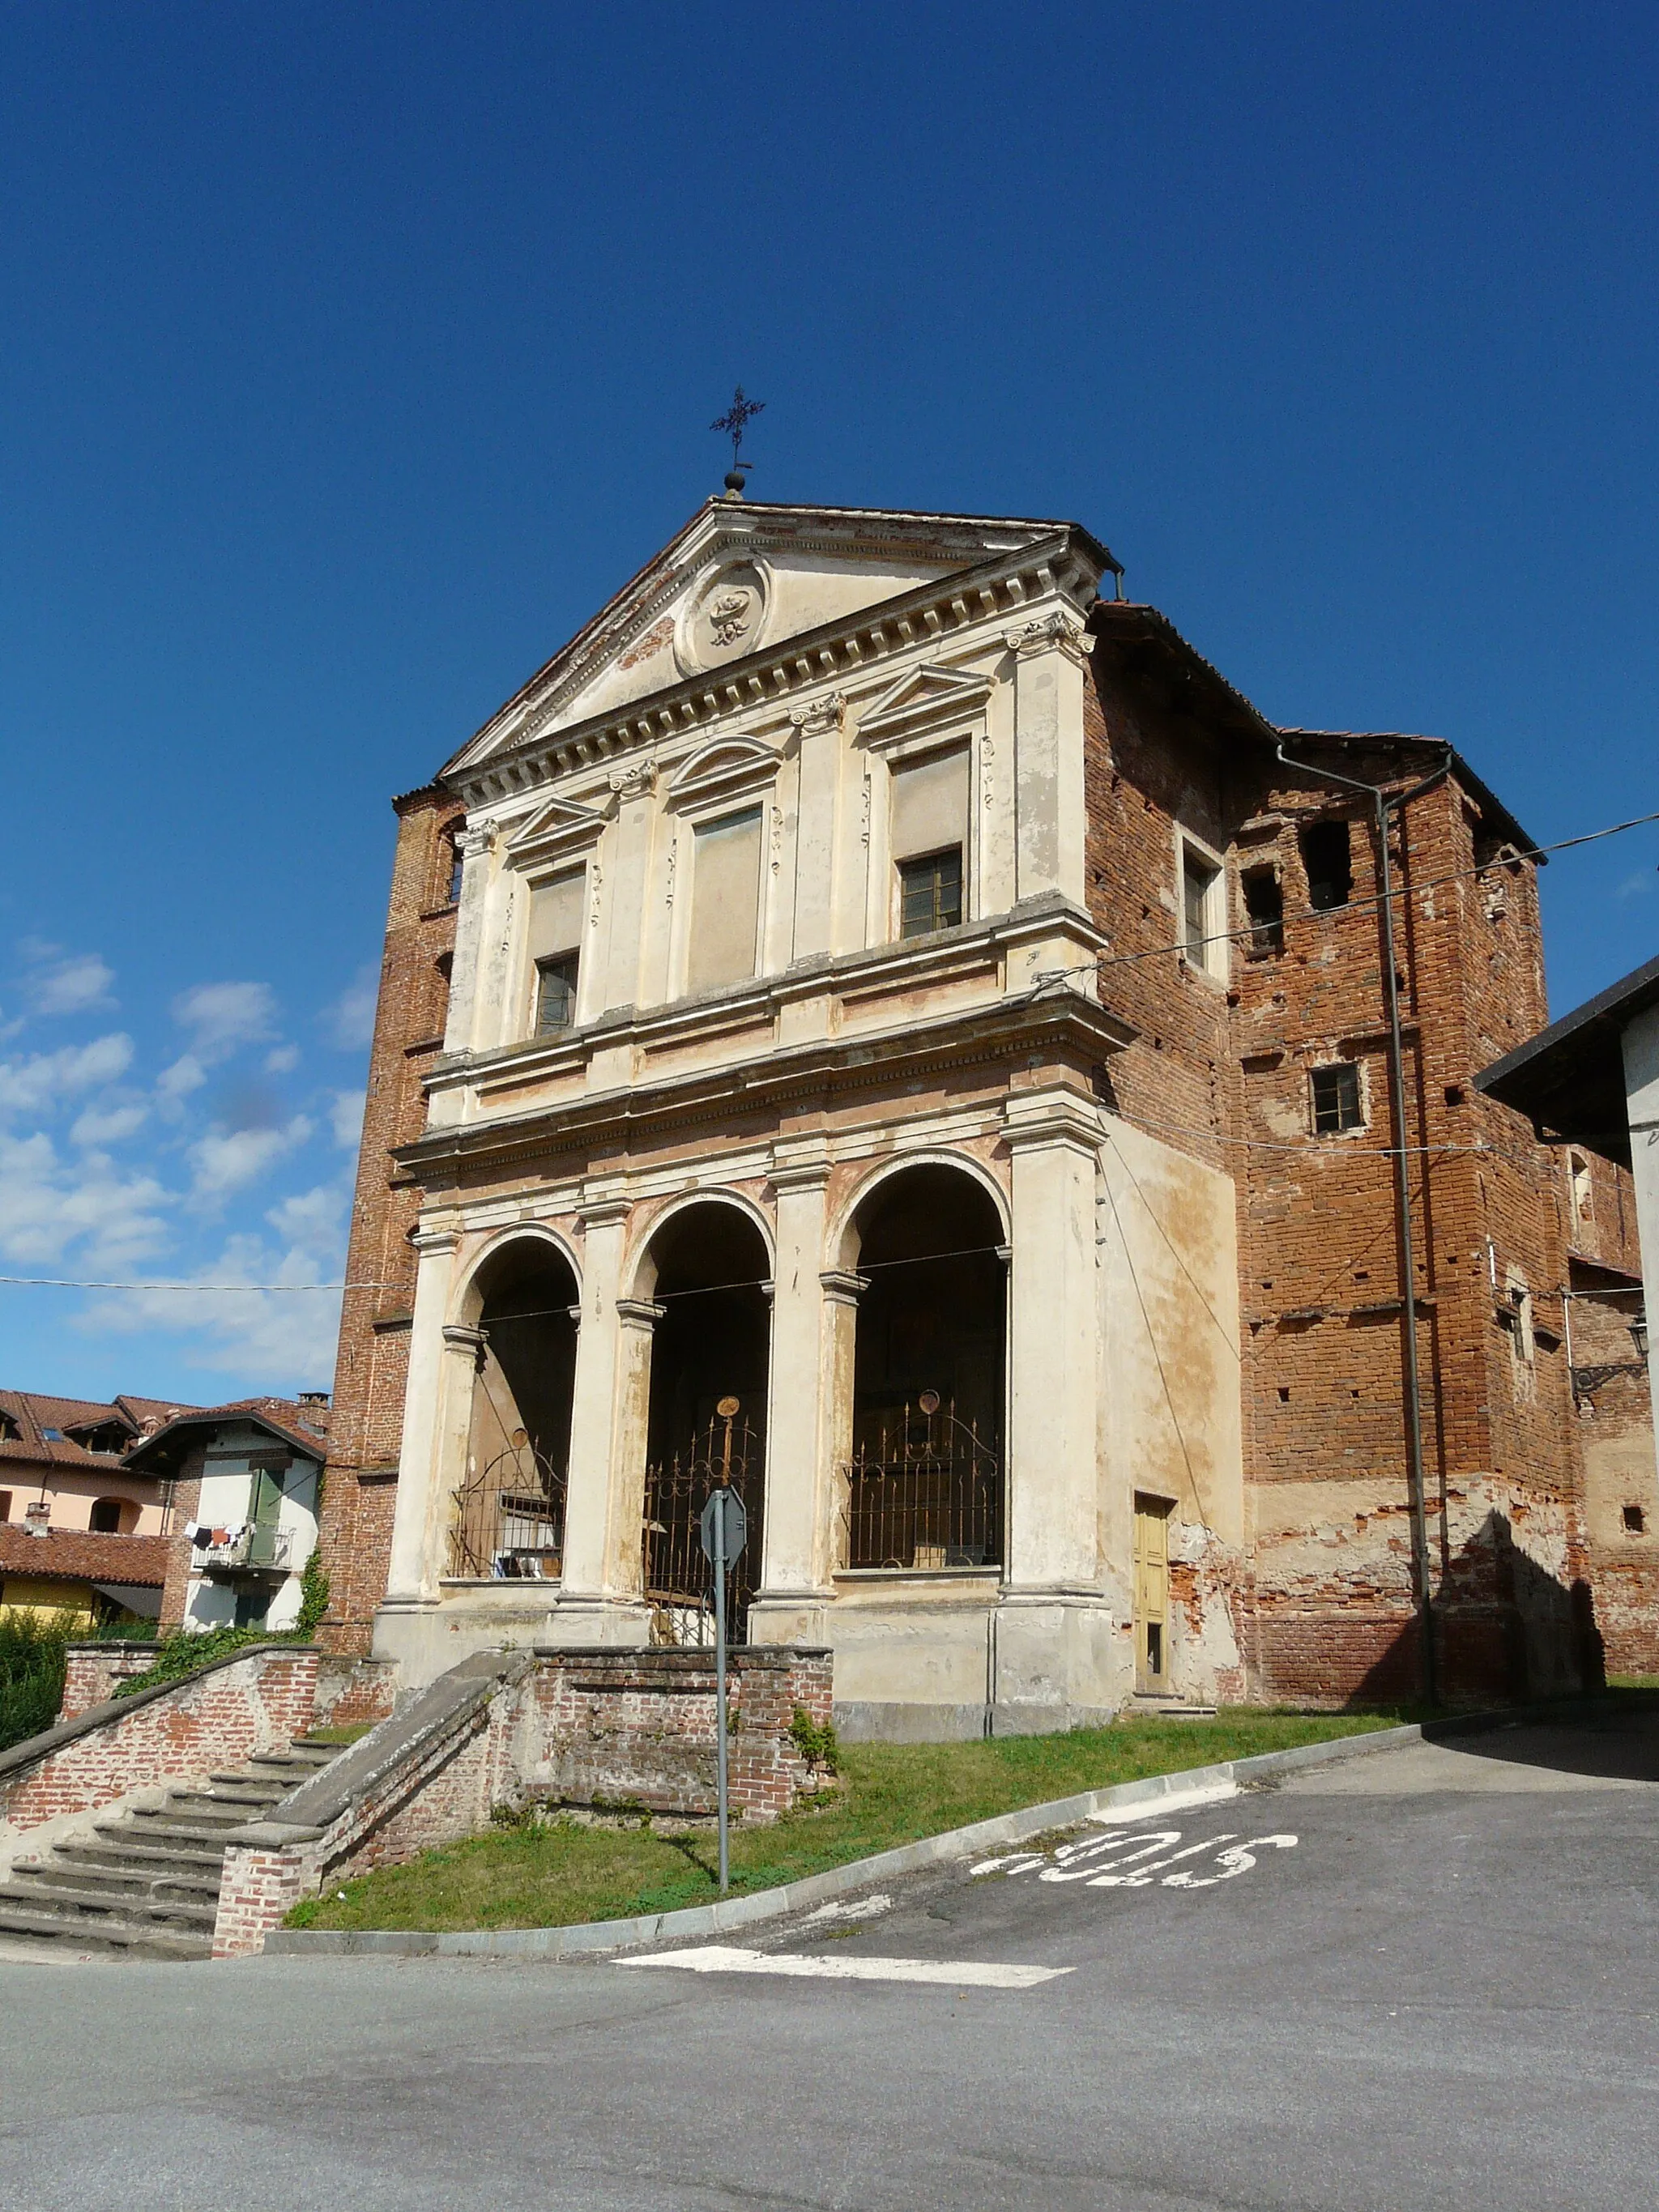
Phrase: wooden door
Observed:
(1151, 1594)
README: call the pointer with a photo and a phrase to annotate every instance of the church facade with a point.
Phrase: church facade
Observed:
(879, 1022)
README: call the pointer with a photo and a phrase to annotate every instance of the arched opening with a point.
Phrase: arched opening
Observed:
(710, 1360)
(508, 1520)
(113, 1516)
(924, 1488)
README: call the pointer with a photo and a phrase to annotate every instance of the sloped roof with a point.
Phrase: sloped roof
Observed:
(1570, 1079)
(164, 1453)
(78, 1555)
(32, 1412)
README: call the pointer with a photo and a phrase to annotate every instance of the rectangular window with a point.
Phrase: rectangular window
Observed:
(1203, 925)
(930, 893)
(929, 839)
(556, 995)
(5, 1505)
(1336, 1104)
(556, 928)
(1264, 902)
(1328, 860)
(456, 862)
(725, 901)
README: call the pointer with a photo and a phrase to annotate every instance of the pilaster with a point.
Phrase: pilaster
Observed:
(1048, 754)
(436, 1402)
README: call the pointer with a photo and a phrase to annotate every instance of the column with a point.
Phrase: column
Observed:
(1048, 754)
(432, 1395)
(591, 1514)
(1053, 1477)
(1053, 1655)
(474, 843)
(797, 1550)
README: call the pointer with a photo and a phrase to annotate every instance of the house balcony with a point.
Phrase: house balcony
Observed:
(256, 1554)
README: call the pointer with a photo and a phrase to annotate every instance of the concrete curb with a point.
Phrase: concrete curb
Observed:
(598, 1935)
(820, 1888)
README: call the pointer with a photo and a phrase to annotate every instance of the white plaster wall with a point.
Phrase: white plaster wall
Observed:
(1170, 1382)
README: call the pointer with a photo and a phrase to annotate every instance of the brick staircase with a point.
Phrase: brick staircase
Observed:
(145, 1884)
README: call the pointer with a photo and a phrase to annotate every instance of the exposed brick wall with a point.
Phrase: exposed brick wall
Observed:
(92, 1670)
(585, 1727)
(361, 1493)
(258, 1700)
(638, 1728)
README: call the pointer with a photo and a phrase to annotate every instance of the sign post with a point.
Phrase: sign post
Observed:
(725, 1530)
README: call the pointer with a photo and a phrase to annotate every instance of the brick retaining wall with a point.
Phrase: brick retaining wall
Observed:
(91, 1672)
(255, 1700)
(589, 1728)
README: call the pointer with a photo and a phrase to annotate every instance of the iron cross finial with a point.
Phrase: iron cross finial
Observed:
(731, 425)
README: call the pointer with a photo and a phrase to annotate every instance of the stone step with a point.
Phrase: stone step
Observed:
(91, 1906)
(148, 1828)
(233, 1805)
(124, 1939)
(123, 1880)
(113, 1848)
(266, 1789)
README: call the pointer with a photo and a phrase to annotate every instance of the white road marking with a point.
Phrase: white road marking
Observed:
(724, 1959)
(1137, 1860)
(864, 1908)
(1119, 1816)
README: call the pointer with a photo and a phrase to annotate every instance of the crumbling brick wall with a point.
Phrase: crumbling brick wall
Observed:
(360, 1497)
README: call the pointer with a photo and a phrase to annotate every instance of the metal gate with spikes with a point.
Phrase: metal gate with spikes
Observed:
(509, 1518)
(922, 1491)
(677, 1582)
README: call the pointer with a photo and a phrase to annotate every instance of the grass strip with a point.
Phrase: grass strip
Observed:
(554, 1873)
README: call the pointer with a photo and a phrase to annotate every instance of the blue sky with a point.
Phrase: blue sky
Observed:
(351, 356)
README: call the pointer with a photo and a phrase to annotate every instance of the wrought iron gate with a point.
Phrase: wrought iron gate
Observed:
(923, 1490)
(677, 1582)
(509, 1518)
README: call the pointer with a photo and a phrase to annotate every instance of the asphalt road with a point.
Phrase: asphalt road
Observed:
(1443, 1992)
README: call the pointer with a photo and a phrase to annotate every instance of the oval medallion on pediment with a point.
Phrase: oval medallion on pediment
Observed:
(725, 617)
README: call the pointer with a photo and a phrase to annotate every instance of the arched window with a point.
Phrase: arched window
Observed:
(509, 1505)
(113, 1516)
(923, 1491)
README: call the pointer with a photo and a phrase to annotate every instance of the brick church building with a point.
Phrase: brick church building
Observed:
(879, 1020)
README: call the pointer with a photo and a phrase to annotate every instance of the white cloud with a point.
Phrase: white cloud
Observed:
(174, 1083)
(311, 1221)
(221, 1016)
(1636, 886)
(109, 1124)
(45, 1079)
(269, 1338)
(350, 1019)
(47, 1205)
(226, 1159)
(346, 1116)
(67, 983)
(283, 1061)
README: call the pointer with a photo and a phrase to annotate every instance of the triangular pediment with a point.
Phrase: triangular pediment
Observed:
(920, 699)
(556, 830)
(739, 579)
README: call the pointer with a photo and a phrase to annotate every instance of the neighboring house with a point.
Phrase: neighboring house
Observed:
(1592, 1079)
(244, 1479)
(63, 1463)
(91, 1577)
(875, 1017)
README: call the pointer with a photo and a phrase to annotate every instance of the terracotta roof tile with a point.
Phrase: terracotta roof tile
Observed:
(75, 1555)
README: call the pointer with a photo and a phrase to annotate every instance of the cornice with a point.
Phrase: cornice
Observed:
(1045, 1019)
(960, 599)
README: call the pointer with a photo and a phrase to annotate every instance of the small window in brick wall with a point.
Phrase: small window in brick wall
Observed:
(1264, 902)
(1328, 861)
(1336, 1101)
(456, 864)
(1636, 1520)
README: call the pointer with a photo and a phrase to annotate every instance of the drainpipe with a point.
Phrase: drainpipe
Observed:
(1402, 1192)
